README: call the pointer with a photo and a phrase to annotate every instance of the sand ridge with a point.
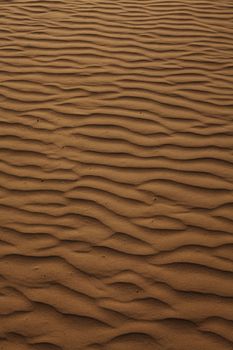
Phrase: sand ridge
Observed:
(116, 175)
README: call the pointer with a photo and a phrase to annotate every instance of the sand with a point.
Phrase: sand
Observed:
(116, 175)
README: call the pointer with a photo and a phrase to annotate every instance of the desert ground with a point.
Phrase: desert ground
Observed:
(116, 176)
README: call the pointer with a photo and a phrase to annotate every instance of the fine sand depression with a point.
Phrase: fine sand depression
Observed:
(116, 178)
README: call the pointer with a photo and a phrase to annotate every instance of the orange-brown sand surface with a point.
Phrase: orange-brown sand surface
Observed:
(116, 152)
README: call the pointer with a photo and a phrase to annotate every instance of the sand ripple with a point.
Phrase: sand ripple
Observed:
(116, 175)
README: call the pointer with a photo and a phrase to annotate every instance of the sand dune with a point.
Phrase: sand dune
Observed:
(116, 175)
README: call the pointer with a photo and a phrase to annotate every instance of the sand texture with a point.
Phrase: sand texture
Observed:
(116, 177)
